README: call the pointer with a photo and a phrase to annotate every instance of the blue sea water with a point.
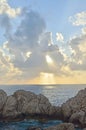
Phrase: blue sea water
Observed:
(57, 94)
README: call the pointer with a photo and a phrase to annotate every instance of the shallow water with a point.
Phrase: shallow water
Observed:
(57, 94)
(23, 125)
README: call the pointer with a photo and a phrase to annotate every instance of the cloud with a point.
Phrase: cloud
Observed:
(23, 55)
(59, 37)
(78, 19)
(5, 24)
(78, 59)
(5, 8)
(28, 46)
(28, 32)
(7, 69)
(84, 30)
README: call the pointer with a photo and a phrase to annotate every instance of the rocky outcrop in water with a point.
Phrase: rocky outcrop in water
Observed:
(23, 104)
(74, 110)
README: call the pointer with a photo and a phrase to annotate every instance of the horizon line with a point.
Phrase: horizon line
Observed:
(44, 84)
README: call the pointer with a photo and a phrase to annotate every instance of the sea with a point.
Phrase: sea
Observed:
(57, 95)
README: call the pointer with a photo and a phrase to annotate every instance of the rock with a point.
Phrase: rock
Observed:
(34, 128)
(3, 98)
(56, 111)
(30, 103)
(77, 117)
(23, 98)
(75, 108)
(24, 103)
(66, 110)
(27, 104)
(10, 107)
(63, 126)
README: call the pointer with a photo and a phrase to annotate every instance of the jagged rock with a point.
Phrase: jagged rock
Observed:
(24, 103)
(23, 98)
(63, 126)
(75, 108)
(30, 103)
(10, 107)
(3, 97)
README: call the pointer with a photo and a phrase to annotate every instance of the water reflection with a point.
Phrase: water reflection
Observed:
(57, 94)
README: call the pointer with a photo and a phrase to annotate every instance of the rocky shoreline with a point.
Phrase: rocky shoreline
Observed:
(25, 104)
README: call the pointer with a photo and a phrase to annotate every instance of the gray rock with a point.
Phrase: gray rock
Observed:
(77, 117)
(30, 103)
(3, 98)
(63, 126)
(75, 108)
(10, 107)
(24, 103)
(23, 98)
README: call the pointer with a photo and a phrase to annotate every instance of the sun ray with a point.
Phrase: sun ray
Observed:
(49, 59)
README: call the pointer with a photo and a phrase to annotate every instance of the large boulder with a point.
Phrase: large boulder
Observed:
(30, 103)
(74, 109)
(63, 126)
(78, 117)
(24, 103)
(3, 98)
(23, 98)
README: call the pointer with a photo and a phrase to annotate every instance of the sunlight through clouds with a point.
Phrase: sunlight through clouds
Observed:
(37, 48)
(47, 78)
(49, 59)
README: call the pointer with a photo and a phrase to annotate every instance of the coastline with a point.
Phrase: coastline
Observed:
(26, 105)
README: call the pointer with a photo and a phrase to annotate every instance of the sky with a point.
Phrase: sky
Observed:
(42, 41)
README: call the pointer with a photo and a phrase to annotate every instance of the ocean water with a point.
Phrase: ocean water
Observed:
(57, 94)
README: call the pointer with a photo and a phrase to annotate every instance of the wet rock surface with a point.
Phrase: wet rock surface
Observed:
(34, 128)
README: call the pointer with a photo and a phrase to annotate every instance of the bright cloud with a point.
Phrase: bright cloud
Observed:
(84, 30)
(59, 37)
(6, 9)
(30, 51)
(78, 59)
(78, 19)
